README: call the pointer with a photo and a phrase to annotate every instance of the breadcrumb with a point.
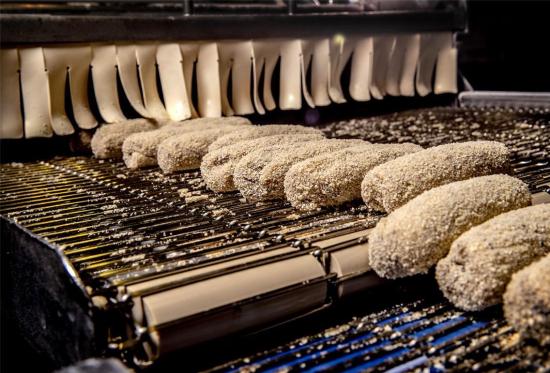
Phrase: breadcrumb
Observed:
(335, 178)
(392, 184)
(262, 131)
(414, 237)
(140, 149)
(527, 301)
(217, 166)
(474, 274)
(260, 175)
(107, 140)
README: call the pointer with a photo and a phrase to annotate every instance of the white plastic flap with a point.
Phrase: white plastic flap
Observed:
(290, 92)
(36, 93)
(225, 70)
(266, 54)
(361, 69)
(104, 76)
(208, 81)
(257, 69)
(429, 49)
(410, 62)
(11, 119)
(74, 62)
(383, 47)
(190, 53)
(305, 59)
(446, 68)
(340, 52)
(127, 70)
(320, 72)
(57, 77)
(79, 69)
(173, 82)
(395, 66)
(146, 55)
(237, 56)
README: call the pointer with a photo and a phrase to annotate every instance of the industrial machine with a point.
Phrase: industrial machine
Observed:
(154, 269)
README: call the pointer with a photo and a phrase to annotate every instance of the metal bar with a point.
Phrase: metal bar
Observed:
(72, 28)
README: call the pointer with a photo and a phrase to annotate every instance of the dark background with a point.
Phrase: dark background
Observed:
(506, 48)
(508, 45)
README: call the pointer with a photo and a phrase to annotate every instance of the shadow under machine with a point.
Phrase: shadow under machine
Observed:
(159, 271)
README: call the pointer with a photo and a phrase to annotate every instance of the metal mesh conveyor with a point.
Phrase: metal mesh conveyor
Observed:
(150, 250)
(418, 336)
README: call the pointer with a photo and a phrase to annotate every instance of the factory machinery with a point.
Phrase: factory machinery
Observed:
(162, 273)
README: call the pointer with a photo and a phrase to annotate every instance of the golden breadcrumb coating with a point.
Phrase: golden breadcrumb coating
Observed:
(392, 184)
(335, 178)
(527, 301)
(414, 237)
(474, 274)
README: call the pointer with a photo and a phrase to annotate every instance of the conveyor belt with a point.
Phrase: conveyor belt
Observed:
(129, 235)
(123, 226)
(418, 336)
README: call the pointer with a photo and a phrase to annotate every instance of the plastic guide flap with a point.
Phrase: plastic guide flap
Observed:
(236, 58)
(290, 93)
(170, 67)
(104, 76)
(146, 59)
(127, 70)
(393, 73)
(266, 54)
(446, 68)
(72, 63)
(208, 81)
(320, 71)
(189, 54)
(361, 69)
(36, 93)
(57, 77)
(410, 64)
(11, 125)
(227, 76)
(340, 53)
(383, 48)
(305, 59)
(430, 47)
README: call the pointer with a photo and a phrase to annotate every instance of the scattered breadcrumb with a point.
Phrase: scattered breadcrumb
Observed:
(192, 199)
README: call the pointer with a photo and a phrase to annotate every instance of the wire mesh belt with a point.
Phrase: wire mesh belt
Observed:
(124, 226)
(119, 227)
(418, 336)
